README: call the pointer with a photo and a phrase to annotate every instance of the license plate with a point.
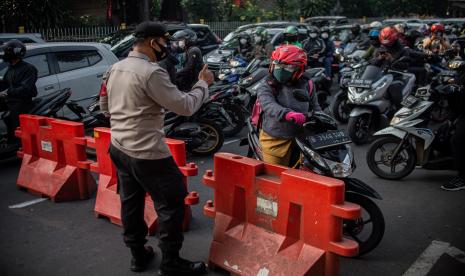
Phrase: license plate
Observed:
(328, 139)
(361, 83)
(409, 101)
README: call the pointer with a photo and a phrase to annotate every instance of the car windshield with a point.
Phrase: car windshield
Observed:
(114, 38)
(121, 46)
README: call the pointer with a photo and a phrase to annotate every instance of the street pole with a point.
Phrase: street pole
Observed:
(144, 10)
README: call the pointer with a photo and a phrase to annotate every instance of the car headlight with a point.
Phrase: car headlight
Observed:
(234, 63)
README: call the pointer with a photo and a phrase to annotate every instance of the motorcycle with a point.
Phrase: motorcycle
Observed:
(202, 135)
(237, 66)
(340, 108)
(419, 135)
(323, 149)
(47, 105)
(369, 98)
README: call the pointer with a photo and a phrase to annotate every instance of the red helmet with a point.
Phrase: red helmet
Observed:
(438, 27)
(388, 36)
(289, 55)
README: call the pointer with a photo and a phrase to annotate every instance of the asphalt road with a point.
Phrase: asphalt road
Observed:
(66, 239)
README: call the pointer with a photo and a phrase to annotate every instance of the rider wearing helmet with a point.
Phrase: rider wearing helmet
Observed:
(262, 49)
(281, 111)
(392, 50)
(314, 46)
(401, 28)
(245, 48)
(356, 33)
(437, 43)
(192, 62)
(291, 36)
(20, 79)
(373, 37)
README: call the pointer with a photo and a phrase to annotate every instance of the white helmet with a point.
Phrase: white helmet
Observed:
(376, 24)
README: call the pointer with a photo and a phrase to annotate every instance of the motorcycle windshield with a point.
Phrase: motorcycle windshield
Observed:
(372, 73)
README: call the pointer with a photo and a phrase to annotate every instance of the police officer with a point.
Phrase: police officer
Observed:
(20, 79)
(192, 61)
(139, 91)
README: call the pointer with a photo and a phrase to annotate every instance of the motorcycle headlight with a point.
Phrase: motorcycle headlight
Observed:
(401, 115)
(234, 63)
(314, 155)
(340, 170)
(395, 120)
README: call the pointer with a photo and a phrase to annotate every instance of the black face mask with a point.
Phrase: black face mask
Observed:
(160, 55)
(8, 56)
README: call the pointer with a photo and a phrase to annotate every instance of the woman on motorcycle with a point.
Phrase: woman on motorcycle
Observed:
(374, 44)
(437, 43)
(282, 113)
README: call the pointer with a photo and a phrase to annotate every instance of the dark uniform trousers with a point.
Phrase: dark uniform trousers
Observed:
(163, 181)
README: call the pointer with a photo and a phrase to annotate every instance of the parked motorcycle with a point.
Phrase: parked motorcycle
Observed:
(202, 135)
(47, 106)
(325, 150)
(419, 135)
(372, 107)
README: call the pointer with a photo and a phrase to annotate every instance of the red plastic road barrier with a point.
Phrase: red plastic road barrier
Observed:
(271, 220)
(108, 203)
(54, 159)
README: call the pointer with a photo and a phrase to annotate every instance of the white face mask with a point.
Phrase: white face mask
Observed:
(258, 39)
(243, 41)
(313, 35)
(324, 35)
(182, 44)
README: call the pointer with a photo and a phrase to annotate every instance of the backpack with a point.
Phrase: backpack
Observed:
(257, 111)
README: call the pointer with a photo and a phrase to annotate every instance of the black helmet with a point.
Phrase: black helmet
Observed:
(12, 50)
(244, 39)
(356, 29)
(188, 35)
(313, 30)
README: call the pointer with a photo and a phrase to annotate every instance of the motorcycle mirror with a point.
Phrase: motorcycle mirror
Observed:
(301, 95)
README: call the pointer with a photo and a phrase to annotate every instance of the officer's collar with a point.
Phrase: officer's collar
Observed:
(138, 55)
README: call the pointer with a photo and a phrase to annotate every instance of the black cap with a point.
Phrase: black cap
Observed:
(151, 29)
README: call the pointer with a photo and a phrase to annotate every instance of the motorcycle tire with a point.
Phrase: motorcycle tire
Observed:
(340, 109)
(210, 128)
(238, 118)
(373, 164)
(352, 229)
(354, 127)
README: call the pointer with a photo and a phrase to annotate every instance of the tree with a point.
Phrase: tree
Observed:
(171, 10)
(32, 14)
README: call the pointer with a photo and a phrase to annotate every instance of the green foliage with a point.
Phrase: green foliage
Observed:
(155, 9)
(33, 13)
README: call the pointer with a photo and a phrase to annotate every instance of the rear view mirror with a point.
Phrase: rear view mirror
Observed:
(301, 95)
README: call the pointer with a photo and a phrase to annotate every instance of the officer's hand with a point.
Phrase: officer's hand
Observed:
(206, 75)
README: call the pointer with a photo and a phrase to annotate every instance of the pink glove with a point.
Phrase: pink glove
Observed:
(295, 117)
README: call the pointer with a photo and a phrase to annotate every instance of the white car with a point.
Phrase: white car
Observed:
(79, 66)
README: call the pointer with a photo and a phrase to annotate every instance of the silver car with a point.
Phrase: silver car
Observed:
(79, 66)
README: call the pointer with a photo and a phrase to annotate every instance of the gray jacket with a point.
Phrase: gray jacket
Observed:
(277, 101)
